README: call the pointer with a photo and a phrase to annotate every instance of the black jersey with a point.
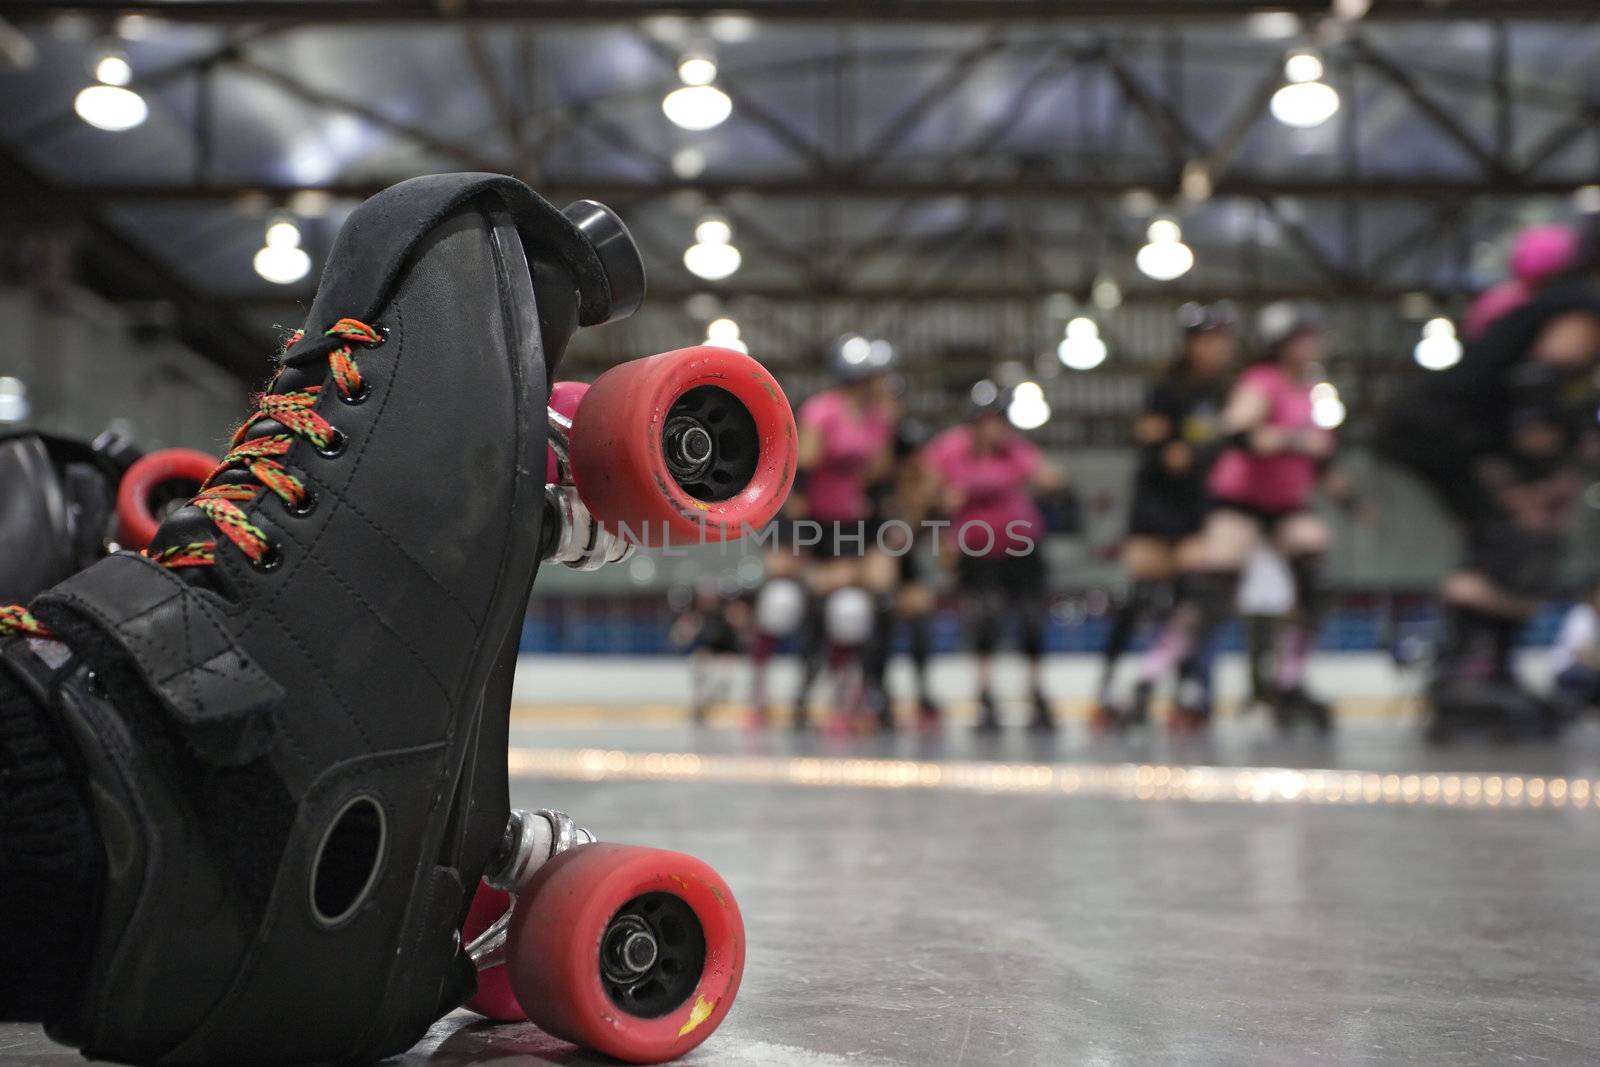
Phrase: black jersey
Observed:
(1193, 414)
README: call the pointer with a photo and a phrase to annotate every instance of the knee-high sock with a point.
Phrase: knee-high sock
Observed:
(1297, 639)
(921, 652)
(875, 657)
(51, 862)
(813, 650)
(1261, 634)
(1138, 606)
(762, 646)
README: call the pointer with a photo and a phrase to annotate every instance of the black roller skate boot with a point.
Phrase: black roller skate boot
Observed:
(291, 710)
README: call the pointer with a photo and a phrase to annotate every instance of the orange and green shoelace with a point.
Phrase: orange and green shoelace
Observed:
(224, 504)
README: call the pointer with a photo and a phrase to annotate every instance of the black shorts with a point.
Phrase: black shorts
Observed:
(1170, 518)
(1017, 578)
(1269, 518)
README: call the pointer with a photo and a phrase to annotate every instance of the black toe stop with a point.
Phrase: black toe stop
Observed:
(618, 254)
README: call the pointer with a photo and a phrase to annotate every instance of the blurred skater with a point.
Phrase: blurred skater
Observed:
(1266, 599)
(902, 502)
(1575, 659)
(1262, 488)
(1498, 438)
(709, 630)
(846, 444)
(1177, 434)
(989, 476)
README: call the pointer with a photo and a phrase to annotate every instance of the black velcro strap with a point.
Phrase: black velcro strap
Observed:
(178, 644)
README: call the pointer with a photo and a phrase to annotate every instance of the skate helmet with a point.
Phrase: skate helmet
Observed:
(1540, 253)
(987, 397)
(855, 358)
(1278, 322)
(1195, 317)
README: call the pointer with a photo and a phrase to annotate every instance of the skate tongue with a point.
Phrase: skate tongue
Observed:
(186, 526)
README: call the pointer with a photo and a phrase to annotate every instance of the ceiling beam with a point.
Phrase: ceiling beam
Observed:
(832, 11)
(841, 186)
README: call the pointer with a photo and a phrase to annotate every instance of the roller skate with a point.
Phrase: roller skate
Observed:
(1191, 712)
(1294, 705)
(1496, 709)
(68, 503)
(930, 717)
(1108, 718)
(669, 934)
(294, 706)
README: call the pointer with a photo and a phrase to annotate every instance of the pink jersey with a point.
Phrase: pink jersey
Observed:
(853, 441)
(992, 488)
(1281, 482)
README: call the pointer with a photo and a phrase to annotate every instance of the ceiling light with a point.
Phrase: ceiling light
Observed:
(113, 69)
(1028, 409)
(281, 260)
(713, 231)
(697, 70)
(1327, 410)
(1304, 101)
(1272, 25)
(1081, 348)
(1440, 348)
(110, 107)
(1165, 257)
(697, 107)
(1106, 294)
(724, 333)
(688, 163)
(712, 256)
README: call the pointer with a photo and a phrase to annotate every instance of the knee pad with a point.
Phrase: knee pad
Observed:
(780, 607)
(847, 617)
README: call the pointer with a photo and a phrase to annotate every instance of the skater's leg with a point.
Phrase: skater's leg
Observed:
(982, 611)
(1304, 541)
(1149, 562)
(1205, 592)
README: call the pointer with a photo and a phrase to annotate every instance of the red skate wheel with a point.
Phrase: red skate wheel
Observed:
(685, 447)
(160, 479)
(494, 998)
(564, 398)
(632, 952)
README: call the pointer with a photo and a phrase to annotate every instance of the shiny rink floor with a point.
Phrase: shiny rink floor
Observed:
(1242, 899)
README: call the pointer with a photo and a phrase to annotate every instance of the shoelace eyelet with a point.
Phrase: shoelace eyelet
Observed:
(270, 560)
(307, 505)
(383, 336)
(335, 446)
(358, 397)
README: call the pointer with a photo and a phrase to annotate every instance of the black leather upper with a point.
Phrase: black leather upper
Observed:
(357, 667)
